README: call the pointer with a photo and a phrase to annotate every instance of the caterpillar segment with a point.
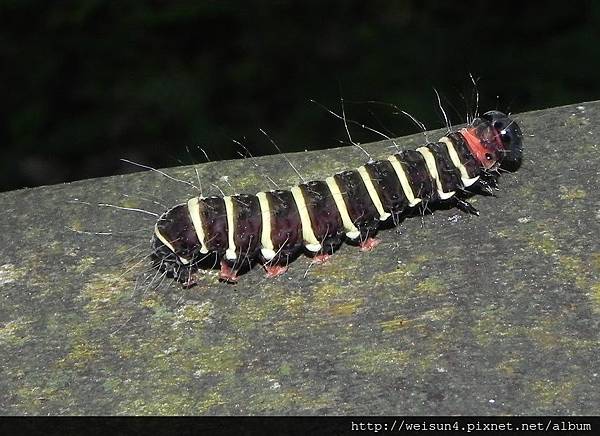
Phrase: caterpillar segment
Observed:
(281, 236)
(273, 227)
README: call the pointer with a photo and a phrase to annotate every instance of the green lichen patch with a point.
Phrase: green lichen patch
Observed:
(572, 269)
(572, 193)
(76, 225)
(161, 403)
(431, 286)
(442, 313)
(80, 355)
(211, 399)
(258, 392)
(15, 333)
(124, 249)
(285, 369)
(34, 399)
(346, 309)
(294, 304)
(594, 295)
(543, 242)
(337, 268)
(10, 273)
(551, 394)
(212, 359)
(285, 312)
(403, 272)
(511, 366)
(130, 202)
(327, 295)
(526, 189)
(244, 181)
(491, 326)
(548, 336)
(165, 376)
(254, 310)
(103, 293)
(378, 359)
(55, 249)
(420, 325)
(576, 121)
(84, 264)
(595, 262)
(394, 324)
(273, 398)
(195, 312)
(544, 335)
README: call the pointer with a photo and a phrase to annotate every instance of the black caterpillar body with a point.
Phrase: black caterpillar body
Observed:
(273, 227)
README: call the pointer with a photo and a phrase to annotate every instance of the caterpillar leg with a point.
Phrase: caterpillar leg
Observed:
(488, 183)
(190, 282)
(227, 274)
(275, 270)
(465, 206)
(369, 244)
(321, 258)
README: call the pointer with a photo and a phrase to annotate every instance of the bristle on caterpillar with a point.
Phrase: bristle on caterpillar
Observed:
(273, 227)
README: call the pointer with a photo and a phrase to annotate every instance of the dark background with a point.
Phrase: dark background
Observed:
(85, 83)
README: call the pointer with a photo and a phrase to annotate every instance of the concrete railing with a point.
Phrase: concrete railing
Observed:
(453, 314)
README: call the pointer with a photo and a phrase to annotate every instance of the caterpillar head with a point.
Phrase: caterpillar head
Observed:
(495, 140)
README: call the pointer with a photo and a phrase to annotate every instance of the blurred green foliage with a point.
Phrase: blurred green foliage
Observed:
(87, 82)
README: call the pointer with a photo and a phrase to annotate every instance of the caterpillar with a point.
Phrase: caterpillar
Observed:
(273, 227)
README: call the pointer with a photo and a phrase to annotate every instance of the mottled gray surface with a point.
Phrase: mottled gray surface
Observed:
(453, 314)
